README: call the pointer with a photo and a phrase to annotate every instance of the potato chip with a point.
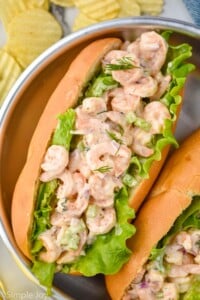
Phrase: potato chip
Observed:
(37, 4)
(10, 9)
(30, 33)
(129, 8)
(151, 7)
(82, 21)
(99, 10)
(9, 72)
(64, 3)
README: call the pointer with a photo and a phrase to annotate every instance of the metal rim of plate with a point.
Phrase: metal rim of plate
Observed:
(160, 22)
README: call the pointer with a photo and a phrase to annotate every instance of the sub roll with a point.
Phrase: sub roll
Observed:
(97, 149)
(165, 263)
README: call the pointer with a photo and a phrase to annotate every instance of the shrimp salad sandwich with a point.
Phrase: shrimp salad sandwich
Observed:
(94, 154)
(165, 263)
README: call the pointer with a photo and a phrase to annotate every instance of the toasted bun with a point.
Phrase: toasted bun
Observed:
(65, 96)
(172, 193)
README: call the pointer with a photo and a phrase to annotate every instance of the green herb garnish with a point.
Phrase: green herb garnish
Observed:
(123, 63)
(103, 169)
(114, 137)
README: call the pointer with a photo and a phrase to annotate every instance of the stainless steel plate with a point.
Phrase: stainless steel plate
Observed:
(25, 102)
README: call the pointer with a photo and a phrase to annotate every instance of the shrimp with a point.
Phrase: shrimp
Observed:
(95, 154)
(155, 280)
(94, 105)
(197, 259)
(102, 189)
(170, 291)
(182, 283)
(174, 254)
(152, 50)
(101, 220)
(55, 161)
(98, 136)
(134, 47)
(117, 117)
(60, 217)
(79, 182)
(140, 140)
(87, 123)
(163, 83)
(125, 134)
(52, 249)
(76, 207)
(156, 113)
(72, 240)
(123, 102)
(144, 293)
(66, 188)
(71, 255)
(117, 160)
(128, 77)
(145, 86)
(195, 237)
(124, 77)
(184, 270)
(78, 163)
(184, 239)
(113, 56)
(122, 160)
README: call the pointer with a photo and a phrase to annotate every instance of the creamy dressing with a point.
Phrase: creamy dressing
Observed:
(90, 175)
(181, 263)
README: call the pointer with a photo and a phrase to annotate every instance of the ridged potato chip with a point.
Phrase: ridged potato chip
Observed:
(129, 8)
(37, 4)
(99, 10)
(82, 21)
(151, 7)
(64, 3)
(11, 8)
(30, 33)
(9, 72)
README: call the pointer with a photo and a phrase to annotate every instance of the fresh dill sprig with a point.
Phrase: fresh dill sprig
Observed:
(103, 169)
(114, 137)
(123, 63)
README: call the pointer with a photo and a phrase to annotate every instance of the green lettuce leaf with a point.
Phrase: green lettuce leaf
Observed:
(45, 273)
(194, 292)
(178, 69)
(46, 194)
(62, 135)
(101, 84)
(109, 252)
(46, 191)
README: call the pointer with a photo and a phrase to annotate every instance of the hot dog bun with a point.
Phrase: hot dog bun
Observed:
(172, 193)
(65, 96)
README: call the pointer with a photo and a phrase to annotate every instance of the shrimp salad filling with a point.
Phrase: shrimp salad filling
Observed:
(100, 150)
(173, 269)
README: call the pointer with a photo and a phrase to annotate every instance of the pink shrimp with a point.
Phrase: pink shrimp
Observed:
(122, 101)
(140, 140)
(102, 189)
(55, 161)
(153, 51)
(145, 86)
(156, 113)
(101, 220)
